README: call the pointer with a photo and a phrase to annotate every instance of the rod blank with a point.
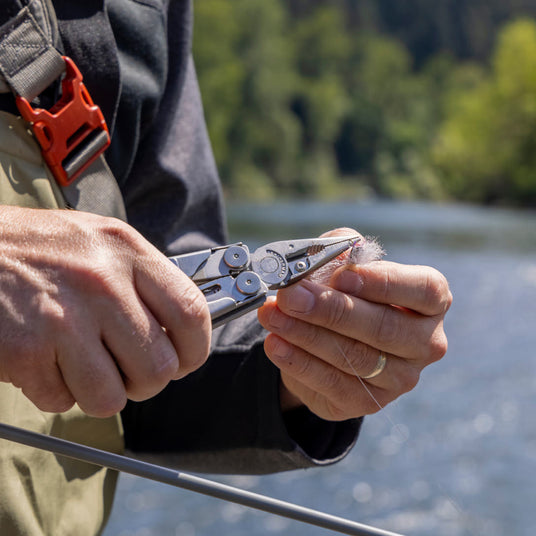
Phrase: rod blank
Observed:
(187, 481)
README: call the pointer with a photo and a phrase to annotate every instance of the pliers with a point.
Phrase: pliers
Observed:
(235, 281)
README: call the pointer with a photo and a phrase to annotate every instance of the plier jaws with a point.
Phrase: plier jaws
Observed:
(283, 263)
(235, 281)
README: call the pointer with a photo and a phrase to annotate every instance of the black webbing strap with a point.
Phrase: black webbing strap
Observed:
(30, 63)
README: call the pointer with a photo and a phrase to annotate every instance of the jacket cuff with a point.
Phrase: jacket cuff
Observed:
(226, 417)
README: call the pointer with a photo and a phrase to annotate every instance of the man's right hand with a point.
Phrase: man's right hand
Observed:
(92, 313)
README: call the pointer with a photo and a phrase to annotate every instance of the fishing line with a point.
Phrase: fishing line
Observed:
(405, 437)
(361, 253)
(387, 415)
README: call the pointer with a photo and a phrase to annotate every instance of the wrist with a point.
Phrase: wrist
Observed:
(287, 399)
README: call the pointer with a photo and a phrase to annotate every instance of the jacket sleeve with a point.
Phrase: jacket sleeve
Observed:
(226, 417)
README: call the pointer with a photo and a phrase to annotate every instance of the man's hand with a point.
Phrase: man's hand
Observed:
(92, 313)
(367, 309)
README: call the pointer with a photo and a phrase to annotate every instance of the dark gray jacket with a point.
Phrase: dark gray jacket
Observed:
(136, 60)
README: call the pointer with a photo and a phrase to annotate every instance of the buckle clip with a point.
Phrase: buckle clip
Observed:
(72, 133)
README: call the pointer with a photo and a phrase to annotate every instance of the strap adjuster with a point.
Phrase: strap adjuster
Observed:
(72, 133)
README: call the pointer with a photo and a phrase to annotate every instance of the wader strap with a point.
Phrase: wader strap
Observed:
(29, 64)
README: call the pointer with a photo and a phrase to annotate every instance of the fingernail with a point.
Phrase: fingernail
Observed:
(281, 350)
(301, 300)
(349, 281)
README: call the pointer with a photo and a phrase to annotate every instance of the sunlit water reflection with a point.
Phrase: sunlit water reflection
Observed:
(456, 456)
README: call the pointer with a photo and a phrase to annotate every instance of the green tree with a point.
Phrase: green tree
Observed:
(220, 71)
(321, 100)
(294, 103)
(246, 80)
(385, 136)
(300, 99)
(486, 148)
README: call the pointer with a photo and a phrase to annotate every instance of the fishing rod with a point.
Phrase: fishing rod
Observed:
(188, 482)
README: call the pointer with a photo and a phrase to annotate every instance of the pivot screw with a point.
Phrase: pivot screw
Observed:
(301, 266)
(236, 257)
(248, 283)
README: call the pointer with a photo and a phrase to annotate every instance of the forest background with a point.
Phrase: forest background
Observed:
(348, 99)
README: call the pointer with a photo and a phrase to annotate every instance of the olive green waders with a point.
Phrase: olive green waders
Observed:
(42, 494)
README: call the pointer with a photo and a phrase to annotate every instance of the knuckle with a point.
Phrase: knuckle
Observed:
(302, 368)
(331, 381)
(52, 397)
(60, 403)
(118, 233)
(386, 328)
(57, 316)
(407, 379)
(190, 333)
(110, 242)
(194, 307)
(355, 357)
(335, 411)
(385, 288)
(162, 360)
(311, 337)
(162, 372)
(196, 361)
(154, 380)
(436, 293)
(118, 246)
(339, 309)
(105, 405)
(438, 346)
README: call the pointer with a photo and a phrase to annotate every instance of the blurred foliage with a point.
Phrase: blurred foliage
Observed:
(337, 98)
(486, 147)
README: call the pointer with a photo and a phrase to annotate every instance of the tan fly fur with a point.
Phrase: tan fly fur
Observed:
(366, 250)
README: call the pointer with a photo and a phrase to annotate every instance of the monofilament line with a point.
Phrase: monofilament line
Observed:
(399, 430)
(395, 427)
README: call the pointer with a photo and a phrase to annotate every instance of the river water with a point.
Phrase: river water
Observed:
(465, 463)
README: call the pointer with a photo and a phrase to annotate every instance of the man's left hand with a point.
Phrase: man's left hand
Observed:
(322, 337)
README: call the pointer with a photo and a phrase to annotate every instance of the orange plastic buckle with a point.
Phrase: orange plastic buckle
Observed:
(73, 133)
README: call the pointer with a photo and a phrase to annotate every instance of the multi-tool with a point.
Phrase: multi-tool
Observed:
(235, 281)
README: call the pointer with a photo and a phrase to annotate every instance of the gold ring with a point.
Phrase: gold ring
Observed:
(378, 369)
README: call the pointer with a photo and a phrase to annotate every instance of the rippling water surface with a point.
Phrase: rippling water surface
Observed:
(456, 456)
